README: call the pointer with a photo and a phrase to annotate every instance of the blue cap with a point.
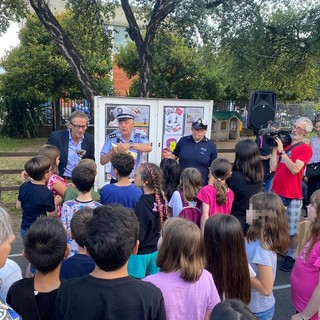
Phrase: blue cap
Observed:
(124, 113)
(199, 124)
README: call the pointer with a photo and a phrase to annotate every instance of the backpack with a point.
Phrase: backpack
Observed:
(189, 212)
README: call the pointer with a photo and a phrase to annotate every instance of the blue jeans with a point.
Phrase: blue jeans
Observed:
(268, 184)
(265, 315)
(23, 233)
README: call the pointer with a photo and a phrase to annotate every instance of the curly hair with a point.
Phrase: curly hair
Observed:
(123, 162)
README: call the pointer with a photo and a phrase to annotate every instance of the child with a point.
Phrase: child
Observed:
(267, 234)
(216, 197)
(83, 178)
(45, 246)
(71, 192)
(152, 211)
(6, 238)
(108, 292)
(189, 186)
(232, 309)
(57, 184)
(123, 191)
(305, 285)
(224, 245)
(34, 197)
(171, 173)
(80, 263)
(188, 290)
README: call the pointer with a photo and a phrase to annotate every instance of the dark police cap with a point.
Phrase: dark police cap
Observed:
(199, 124)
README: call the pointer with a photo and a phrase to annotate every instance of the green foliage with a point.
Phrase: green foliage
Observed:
(21, 118)
(10, 10)
(179, 71)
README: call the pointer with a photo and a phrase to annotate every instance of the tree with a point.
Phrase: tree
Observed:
(37, 72)
(179, 71)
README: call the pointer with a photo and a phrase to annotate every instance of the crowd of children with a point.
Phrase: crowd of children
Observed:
(196, 258)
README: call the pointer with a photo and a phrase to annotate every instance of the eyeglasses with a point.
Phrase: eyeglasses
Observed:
(76, 126)
(299, 129)
(197, 130)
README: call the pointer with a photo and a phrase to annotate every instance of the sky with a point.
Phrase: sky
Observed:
(9, 39)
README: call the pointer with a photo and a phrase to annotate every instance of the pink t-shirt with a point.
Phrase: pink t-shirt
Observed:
(305, 277)
(208, 195)
(186, 300)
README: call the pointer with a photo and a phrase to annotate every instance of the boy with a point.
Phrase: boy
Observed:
(83, 178)
(80, 263)
(108, 292)
(45, 246)
(122, 192)
(71, 193)
(34, 197)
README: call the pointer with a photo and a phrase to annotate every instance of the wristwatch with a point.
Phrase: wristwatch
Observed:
(131, 145)
(282, 152)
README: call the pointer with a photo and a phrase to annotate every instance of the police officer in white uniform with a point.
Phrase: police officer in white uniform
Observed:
(124, 139)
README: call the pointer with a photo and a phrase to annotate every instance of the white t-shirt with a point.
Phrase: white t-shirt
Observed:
(9, 274)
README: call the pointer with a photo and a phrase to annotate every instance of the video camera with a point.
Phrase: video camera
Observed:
(283, 135)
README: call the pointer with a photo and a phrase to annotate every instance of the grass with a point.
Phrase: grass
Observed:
(12, 145)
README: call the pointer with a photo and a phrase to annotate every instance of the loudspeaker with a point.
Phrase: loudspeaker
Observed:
(262, 109)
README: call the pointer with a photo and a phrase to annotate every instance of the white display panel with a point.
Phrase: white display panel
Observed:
(163, 121)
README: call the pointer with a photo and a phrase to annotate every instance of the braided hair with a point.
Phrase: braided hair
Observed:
(152, 174)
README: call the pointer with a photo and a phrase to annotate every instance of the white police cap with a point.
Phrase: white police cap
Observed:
(124, 113)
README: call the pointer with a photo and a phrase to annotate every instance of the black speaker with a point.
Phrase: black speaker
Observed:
(262, 109)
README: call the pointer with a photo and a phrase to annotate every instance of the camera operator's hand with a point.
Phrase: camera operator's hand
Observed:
(279, 144)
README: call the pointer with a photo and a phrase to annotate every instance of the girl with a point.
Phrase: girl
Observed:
(216, 197)
(188, 290)
(189, 186)
(55, 183)
(171, 173)
(268, 234)
(305, 284)
(246, 179)
(226, 257)
(151, 211)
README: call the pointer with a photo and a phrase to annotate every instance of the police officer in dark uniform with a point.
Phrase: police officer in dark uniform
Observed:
(196, 150)
(125, 139)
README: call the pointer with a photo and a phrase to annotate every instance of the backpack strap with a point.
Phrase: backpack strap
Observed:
(261, 141)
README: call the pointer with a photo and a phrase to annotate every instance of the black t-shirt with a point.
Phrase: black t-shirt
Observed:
(149, 223)
(243, 189)
(196, 155)
(36, 200)
(45, 303)
(124, 298)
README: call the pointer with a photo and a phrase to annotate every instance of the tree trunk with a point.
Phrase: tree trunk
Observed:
(67, 49)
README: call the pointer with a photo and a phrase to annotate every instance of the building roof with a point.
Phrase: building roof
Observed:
(226, 115)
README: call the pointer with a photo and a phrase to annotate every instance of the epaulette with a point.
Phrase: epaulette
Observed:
(112, 135)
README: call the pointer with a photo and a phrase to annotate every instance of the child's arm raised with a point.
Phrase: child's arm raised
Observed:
(312, 306)
(263, 284)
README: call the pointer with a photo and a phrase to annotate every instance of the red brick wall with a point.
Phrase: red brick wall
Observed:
(121, 83)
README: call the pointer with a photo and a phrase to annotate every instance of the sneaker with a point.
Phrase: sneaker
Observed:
(288, 264)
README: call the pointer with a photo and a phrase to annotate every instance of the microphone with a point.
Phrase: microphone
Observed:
(118, 134)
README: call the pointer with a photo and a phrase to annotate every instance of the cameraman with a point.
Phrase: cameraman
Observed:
(265, 145)
(289, 163)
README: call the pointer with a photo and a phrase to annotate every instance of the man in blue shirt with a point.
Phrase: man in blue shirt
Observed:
(125, 139)
(74, 143)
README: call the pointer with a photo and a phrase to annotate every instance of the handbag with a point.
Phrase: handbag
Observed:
(312, 170)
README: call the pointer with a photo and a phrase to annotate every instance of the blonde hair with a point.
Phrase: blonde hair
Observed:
(181, 249)
(190, 183)
(220, 169)
(269, 225)
(314, 234)
(5, 225)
